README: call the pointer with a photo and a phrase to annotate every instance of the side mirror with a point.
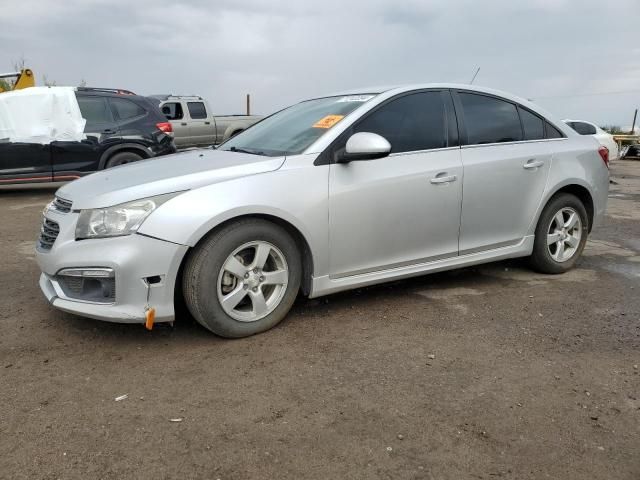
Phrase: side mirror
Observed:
(364, 146)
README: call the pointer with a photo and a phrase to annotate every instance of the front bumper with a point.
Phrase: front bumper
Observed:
(134, 259)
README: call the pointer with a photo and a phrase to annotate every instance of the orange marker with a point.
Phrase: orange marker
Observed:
(150, 315)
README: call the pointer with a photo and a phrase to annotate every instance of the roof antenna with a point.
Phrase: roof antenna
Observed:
(474, 76)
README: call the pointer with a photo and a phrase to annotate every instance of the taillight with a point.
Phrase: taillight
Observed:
(164, 127)
(604, 154)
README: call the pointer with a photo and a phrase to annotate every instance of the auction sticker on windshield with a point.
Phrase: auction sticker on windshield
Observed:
(355, 98)
(328, 121)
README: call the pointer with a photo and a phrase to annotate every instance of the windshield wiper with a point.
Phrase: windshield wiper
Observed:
(246, 150)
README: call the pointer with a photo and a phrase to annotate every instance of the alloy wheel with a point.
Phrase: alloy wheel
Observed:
(252, 281)
(564, 234)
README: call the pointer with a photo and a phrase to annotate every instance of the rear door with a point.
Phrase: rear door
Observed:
(175, 113)
(202, 129)
(24, 162)
(75, 159)
(506, 162)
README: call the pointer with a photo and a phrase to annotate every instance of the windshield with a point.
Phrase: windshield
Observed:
(292, 130)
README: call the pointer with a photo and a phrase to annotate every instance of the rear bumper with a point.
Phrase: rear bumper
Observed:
(134, 259)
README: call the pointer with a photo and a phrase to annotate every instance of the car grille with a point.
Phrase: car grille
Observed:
(48, 234)
(61, 205)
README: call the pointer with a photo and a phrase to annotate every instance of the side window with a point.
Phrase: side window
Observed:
(197, 110)
(125, 109)
(533, 125)
(490, 120)
(551, 131)
(173, 111)
(410, 123)
(94, 109)
(583, 128)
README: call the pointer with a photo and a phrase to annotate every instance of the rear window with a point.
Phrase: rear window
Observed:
(552, 132)
(94, 109)
(197, 110)
(125, 109)
(490, 120)
(532, 124)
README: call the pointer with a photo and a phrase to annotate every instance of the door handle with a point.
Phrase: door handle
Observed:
(108, 130)
(533, 164)
(207, 123)
(443, 178)
(183, 124)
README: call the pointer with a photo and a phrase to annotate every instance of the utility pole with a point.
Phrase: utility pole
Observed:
(633, 125)
(248, 104)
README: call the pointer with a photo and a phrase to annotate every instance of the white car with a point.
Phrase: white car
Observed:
(604, 138)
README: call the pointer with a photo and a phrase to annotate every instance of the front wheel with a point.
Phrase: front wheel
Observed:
(243, 279)
(561, 235)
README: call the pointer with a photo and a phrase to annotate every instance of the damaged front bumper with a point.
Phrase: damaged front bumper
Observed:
(142, 274)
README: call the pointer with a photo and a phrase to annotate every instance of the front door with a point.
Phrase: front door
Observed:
(403, 209)
(174, 112)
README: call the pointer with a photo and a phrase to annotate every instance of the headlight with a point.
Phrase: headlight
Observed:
(123, 219)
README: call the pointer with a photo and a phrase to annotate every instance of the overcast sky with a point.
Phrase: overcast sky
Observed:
(283, 51)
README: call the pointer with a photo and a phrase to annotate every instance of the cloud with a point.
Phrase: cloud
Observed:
(283, 51)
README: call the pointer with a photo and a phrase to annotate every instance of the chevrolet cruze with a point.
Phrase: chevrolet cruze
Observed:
(329, 194)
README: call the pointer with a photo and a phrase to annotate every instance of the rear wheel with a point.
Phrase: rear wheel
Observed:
(122, 158)
(561, 235)
(243, 279)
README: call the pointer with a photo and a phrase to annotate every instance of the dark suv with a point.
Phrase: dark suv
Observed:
(121, 128)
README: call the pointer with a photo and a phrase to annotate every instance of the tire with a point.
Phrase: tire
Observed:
(207, 282)
(553, 258)
(122, 158)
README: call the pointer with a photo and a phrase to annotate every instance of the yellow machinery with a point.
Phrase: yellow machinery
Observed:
(23, 79)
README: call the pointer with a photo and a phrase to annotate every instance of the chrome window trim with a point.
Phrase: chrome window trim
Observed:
(479, 145)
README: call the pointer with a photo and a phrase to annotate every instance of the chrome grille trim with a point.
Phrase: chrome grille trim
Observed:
(48, 233)
(62, 205)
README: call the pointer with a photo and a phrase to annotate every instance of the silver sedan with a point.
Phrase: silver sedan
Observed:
(329, 194)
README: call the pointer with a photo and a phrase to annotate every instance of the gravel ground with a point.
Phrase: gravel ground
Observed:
(486, 372)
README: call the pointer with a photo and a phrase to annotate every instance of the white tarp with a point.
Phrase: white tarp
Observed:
(41, 115)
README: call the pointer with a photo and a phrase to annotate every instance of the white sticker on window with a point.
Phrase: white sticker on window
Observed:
(355, 98)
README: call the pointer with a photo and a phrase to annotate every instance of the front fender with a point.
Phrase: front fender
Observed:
(295, 194)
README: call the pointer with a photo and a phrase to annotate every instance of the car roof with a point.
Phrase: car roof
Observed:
(390, 90)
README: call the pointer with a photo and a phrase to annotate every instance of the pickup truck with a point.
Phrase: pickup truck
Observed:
(195, 126)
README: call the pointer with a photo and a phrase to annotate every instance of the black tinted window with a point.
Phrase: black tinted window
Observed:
(412, 122)
(197, 110)
(94, 109)
(490, 120)
(125, 109)
(552, 132)
(173, 111)
(583, 128)
(533, 125)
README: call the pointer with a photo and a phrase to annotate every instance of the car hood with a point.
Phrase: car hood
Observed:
(170, 173)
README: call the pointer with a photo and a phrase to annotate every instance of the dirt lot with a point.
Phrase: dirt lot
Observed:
(489, 372)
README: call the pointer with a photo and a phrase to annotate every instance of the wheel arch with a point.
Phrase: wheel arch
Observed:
(232, 130)
(579, 190)
(120, 148)
(294, 231)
